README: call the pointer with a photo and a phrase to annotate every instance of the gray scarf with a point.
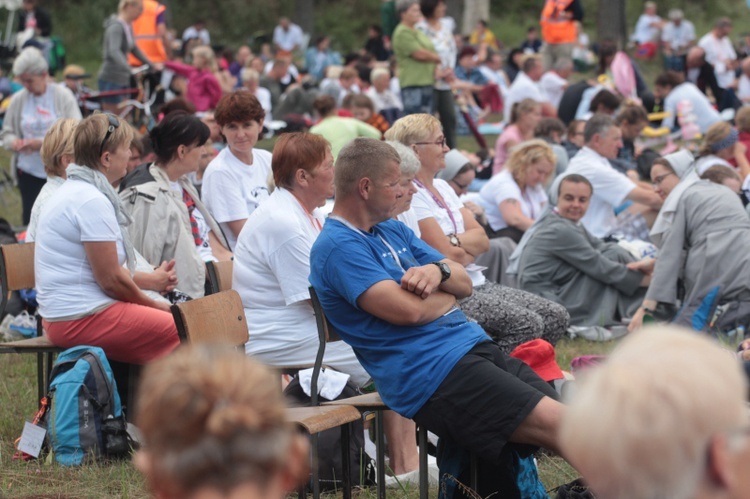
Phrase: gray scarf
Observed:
(98, 180)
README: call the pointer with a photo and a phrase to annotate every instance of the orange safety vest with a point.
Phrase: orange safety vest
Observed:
(146, 36)
(556, 28)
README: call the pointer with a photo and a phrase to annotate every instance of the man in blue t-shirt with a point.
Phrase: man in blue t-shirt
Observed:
(394, 300)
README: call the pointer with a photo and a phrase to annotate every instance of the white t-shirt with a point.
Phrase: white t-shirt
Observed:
(611, 188)
(385, 100)
(271, 269)
(37, 116)
(705, 114)
(424, 206)
(678, 37)
(719, 52)
(522, 88)
(264, 99)
(409, 218)
(53, 183)
(644, 32)
(553, 86)
(232, 189)
(502, 187)
(743, 88)
(65, 283)
(288, 39)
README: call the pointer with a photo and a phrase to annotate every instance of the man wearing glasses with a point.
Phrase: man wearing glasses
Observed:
(394, 300)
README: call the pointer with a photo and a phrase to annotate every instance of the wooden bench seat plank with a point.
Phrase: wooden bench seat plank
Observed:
(317, 419)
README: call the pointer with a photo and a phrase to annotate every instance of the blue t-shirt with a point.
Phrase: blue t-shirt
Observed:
(472, 76)
(408, 363)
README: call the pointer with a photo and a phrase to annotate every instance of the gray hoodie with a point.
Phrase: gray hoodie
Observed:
(115, 48)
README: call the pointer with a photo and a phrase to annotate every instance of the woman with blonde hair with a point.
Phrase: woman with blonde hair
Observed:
(509, 316)
(57, 154)
(204, 88)
(213, 425)
(721, 145)
(514, 198)
(524, 117)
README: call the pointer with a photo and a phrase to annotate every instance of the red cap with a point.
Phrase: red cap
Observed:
(540, 356)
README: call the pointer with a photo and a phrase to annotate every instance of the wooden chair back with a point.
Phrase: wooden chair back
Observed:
(219, 276)
(217, 318)
(16, 269)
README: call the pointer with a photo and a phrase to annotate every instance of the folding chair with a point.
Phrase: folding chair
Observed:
(16, 273)
(220, 318)
(367, 402)
(218, 276)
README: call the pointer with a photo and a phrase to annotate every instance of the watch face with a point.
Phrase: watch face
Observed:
(454, 240)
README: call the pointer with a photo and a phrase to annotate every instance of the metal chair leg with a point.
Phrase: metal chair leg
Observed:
(346, 461)
(380, 454)
(424, 484)
(315, 471)
(40, 379)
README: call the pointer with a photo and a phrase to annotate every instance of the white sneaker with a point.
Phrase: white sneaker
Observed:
(411, 478)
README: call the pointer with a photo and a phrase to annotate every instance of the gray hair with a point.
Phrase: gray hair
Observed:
(30, 61)
(598, 124)
(410, 164)
(360, 158)
(639, 425)
(378, 73)
(403, 5)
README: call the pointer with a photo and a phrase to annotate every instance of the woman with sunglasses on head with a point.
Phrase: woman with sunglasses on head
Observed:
(509, 316)
(701, 232)
(169, 220)
(86, 296)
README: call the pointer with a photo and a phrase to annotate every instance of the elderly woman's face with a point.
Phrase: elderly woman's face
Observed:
(404, 203)
(34, 84)
(431, 151)
(412, 15)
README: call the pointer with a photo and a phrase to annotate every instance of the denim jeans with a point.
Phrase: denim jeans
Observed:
(417, 99)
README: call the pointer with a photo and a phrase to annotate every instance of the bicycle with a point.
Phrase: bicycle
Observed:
(140, 108)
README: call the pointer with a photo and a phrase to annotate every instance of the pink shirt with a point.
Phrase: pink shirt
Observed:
(511, 133)
(203, 88)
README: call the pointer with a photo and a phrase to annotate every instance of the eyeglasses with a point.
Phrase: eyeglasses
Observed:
(114, 123)
(658, 180)
(440, 142)
(460, 186)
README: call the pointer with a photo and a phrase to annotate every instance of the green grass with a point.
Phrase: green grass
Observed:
(120, 479)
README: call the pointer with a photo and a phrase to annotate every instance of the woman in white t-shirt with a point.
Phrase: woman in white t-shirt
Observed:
(509, 316)
(169, 220)
(236, 181)
(515, 197)
(85, 295)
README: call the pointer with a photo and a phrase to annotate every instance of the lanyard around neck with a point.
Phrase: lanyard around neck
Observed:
(351, 226)
(440, 204)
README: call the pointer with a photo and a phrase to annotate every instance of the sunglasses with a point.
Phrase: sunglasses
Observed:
(114, 124)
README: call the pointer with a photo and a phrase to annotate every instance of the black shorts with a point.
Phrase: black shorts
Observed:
(483, 400)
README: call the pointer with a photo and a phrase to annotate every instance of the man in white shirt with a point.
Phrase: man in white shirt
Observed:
(526, 86)
(677, 37)
(679, 96)
(648, 25)
(720, 52)
(611, 188)
(555, 81)
(492, 69)
(287, 36)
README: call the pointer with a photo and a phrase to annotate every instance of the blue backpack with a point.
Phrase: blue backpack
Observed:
(85, 418)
